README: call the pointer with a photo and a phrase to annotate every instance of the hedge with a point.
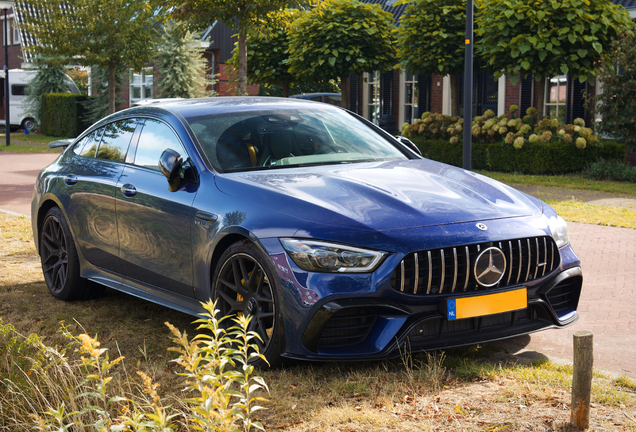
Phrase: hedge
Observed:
(62, 114)
(533, 158)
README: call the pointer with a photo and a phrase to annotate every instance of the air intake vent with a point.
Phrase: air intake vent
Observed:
(450, 270)
(348, 326)
(564, 297)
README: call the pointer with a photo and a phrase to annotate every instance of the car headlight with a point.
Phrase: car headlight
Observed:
(318, 256)
(559, 229)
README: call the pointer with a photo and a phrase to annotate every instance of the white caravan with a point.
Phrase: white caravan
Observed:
(18, 81)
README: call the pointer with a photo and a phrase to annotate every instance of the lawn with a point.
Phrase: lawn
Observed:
(31, 143)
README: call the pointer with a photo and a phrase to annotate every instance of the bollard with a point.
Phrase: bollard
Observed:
(582, 379)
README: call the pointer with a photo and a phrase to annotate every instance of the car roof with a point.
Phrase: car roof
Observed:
(310, 95)
(219, 105)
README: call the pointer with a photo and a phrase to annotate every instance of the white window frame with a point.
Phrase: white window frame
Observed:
(404, 103)
(145, 82)
(559, 106)
(15, 34)
(8, 31)
(371, 84)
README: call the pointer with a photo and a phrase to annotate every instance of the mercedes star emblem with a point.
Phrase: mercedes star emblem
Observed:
(490, 267)
(482, 226)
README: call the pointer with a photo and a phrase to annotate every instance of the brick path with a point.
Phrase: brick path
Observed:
(608, 300)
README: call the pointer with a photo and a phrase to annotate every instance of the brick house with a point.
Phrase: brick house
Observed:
(217, 41)
(395, 97)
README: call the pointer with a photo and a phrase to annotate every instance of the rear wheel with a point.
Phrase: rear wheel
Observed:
(243, 284)
(60, 263)
(28, 123)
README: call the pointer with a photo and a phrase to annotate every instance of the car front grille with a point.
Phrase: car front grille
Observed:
(450, 270)
(346, 327)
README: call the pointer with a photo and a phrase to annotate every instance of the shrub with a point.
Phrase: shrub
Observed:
(613, 170)
(62, 114)
(58, 392)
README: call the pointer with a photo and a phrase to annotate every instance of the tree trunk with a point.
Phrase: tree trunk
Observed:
(242, 72)
(454, 88)
(285, 89)
(540, 92)
(112, 90)
(344, 90)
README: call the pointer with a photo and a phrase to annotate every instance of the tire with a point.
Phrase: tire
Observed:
(60, 264)
(243, 284)
(28, 123)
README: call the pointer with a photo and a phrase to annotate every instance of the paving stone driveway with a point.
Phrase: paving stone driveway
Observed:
(608, 300)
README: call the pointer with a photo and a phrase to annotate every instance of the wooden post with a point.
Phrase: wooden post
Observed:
(582, 379)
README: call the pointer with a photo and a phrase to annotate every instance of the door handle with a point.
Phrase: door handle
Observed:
(70, 179)
(128, 190)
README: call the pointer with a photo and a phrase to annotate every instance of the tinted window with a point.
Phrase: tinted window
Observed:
(18, 89)
(115, 140)
(87, 146)
(155, 138)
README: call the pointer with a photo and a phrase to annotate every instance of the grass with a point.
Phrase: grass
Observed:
(572, 181)
(576, 211)
(475, 388)
(31, 143)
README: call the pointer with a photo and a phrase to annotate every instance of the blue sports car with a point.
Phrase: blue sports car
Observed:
(341, 241)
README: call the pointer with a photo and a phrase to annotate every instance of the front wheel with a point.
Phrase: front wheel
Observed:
(243, 284)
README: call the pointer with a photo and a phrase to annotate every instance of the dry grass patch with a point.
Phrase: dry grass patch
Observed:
(576, 211)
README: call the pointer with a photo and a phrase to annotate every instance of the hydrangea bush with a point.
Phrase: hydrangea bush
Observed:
(507, 129)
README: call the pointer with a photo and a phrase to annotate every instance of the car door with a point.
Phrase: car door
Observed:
(154, 223)
(90, 180)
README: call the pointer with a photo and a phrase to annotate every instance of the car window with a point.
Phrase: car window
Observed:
(288, 137)
(116, 139)
(333, 100)
(87, 146)
(18, 89)
(155, 138)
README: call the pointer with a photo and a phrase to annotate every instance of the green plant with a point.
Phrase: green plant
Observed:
(340, 37)
(71, 392)
(49, 78)
(614, 170)
(63, 114)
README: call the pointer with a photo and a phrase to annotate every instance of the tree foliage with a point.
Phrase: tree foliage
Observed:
(107, 33)
(547, 38)
(617, 101)
(340, 37)
(96, 106)
(50, 78)
(181, 64)
(431, 40)
(268, 51)
(242, 15)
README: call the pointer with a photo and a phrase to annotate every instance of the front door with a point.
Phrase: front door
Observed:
(154, 223)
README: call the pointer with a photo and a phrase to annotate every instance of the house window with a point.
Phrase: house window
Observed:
(556, 96)
(372, 99)
(7, 32)
(141, 85)
(410, 97)
(16, 35)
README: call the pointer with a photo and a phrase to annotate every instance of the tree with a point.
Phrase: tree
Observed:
(243, 15)
(50, 78)
(341, 37)
(431, 40)
(268, 51)
(547, 38)
(97, 106)
(107, 33)
(617, 101)
(181, 64)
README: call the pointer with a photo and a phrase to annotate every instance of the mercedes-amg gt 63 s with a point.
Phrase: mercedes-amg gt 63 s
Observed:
(341, 241)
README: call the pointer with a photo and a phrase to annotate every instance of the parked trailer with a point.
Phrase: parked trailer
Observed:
(19, 79)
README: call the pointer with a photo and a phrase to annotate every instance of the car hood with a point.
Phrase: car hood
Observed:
(379, 195)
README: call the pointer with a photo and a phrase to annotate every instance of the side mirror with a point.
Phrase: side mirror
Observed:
(410, 144)
(170, 164)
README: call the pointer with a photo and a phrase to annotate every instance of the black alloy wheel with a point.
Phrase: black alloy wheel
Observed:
(244, 286)
(60, 263)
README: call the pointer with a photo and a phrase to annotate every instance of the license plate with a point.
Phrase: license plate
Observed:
(468, 307)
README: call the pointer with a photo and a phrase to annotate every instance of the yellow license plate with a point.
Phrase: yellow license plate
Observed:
(468, 307)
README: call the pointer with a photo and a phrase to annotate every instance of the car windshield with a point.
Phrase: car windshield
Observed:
(287, 138)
